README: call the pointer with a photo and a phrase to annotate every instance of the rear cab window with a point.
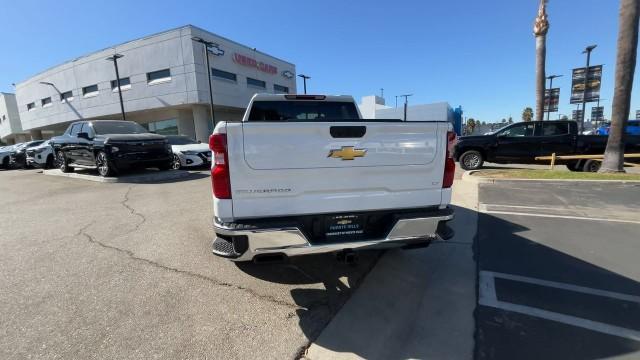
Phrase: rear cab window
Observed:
(554, 129)
(303, 110)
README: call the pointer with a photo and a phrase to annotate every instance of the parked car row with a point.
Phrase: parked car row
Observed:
(108, 146)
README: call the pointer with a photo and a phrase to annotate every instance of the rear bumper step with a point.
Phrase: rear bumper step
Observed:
(242, 242)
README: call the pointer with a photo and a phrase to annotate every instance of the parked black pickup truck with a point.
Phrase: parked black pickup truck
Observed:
(110, 146)
(521, 142)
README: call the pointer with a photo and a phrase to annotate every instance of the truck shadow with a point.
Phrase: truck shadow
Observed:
(336, 283)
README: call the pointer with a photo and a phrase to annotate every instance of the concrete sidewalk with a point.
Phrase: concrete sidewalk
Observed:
(414, 304)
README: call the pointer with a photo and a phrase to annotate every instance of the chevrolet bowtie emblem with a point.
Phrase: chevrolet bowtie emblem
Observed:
(347, 153)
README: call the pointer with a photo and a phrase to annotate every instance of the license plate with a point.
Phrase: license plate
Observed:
(344, 225)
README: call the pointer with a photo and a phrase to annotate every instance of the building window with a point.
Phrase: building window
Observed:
(125, 84)
(256, 83)
(164, 127)
(46, 102)
(159, 76)
(224, 75)
(89, 91)
(66, 96)
(279, 89)
(31, 106)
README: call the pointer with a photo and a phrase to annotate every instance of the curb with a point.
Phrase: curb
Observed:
(468, 176)
(150, 177)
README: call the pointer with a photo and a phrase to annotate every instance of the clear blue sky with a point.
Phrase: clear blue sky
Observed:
(478, 54)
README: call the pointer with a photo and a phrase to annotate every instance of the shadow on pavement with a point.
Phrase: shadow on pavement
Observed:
(502, 334)
(336, 282)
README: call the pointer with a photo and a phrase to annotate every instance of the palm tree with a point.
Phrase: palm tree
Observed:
(527, 114)
(540, 28)
(625, 69)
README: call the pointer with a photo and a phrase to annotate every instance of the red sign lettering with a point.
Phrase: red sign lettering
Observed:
(251, 62)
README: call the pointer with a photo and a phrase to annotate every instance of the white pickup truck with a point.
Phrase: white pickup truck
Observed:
(305, 174)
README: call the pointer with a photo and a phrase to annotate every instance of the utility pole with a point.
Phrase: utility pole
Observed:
(382, 93)
(587, 51)
(115, 58)
(406, 104)
(206, 44)
(550, 77)
(396, 101)
(304, 81)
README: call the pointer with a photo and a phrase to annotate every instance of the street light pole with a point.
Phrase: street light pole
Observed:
(406, 104)
(396, 101)
(550, 77)
(587, 51)
(304, 81)
(115, 58)
(206, 45)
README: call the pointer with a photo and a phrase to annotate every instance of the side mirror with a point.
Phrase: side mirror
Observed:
(83, 135)
(199, 141)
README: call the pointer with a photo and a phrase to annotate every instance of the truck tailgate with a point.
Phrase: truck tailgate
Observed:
(284, 168)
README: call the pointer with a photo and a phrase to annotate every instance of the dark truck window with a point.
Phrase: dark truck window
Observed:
(552, 129)
(118, 127)
(519, 130)
(302, 111)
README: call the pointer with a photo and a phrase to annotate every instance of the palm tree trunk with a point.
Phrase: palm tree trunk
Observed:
(541, 54)
(625, 69)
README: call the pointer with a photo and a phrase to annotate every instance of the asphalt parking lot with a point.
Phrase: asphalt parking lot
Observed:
(559, 275)
(118, 271)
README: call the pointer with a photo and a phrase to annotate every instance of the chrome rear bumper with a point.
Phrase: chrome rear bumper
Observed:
(243, 243)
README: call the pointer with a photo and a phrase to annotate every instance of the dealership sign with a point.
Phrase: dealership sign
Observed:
(251, 62)
(592, 92)
(551, 99)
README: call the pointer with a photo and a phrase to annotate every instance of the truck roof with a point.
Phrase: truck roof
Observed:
(285, 97)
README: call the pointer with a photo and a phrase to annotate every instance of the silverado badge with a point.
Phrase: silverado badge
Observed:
(347, 153)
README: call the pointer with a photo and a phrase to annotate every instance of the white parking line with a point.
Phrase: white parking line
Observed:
(488, 297)
(485, 208)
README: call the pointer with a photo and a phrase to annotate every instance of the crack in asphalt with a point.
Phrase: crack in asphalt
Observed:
(83, 232)
(132, 210)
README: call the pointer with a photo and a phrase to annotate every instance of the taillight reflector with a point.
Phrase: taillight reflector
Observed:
(220, 179)
(449, 163)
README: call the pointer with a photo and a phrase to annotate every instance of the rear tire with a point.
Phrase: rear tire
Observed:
(167, 166)
(63, 165)
(102, 164)
(5, 162)
(471, 160)
(591, 166)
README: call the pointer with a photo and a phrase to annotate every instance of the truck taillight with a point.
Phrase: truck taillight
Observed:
(220, 179)
(449, 163)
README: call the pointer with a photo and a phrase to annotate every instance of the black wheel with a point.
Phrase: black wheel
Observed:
(63, 165)
(102, 164)
(591, 166)
(471, 160)
(175, 164)
(50, 162)
(166, 166)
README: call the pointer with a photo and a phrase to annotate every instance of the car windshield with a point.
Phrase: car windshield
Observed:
(180, 140)
(118, 127)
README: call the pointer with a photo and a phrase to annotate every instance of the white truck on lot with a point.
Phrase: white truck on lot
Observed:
(304, 174)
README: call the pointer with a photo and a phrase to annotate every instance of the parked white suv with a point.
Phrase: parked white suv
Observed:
(305, 174)
(41, 156)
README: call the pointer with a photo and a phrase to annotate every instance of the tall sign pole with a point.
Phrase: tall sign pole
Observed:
(588, 51)
(115, 58)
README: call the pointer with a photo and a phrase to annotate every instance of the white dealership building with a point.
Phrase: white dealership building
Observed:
(163, 79)
(10, 127)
